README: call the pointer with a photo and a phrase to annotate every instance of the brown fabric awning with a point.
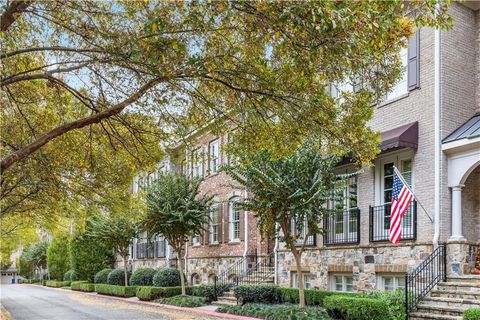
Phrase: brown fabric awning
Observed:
(405, 136)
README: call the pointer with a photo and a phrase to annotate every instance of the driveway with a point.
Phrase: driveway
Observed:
(35, 302)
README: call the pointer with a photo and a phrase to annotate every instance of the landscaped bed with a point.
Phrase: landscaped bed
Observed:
(114, 290)
(183, 301)
(277, 311)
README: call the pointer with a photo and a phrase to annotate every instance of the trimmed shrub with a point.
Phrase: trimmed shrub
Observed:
(257, 294)
(183, 301)
(117, 277)
(312, 297)
(277, 311)
(75, 285)
(167, 278)
(142, 277)
(46, 276)
(113, 290)
(208, 291)
(89, 254)
(70, 276)
(57, 284)
(395, 301)
(58, 258)
(472, 314)
(343, 307)
(102, 276)
(149, 293)
(83, 286)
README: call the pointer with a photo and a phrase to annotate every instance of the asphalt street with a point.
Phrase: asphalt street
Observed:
(33, 302)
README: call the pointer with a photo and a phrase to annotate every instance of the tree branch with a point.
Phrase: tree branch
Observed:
(12, 12)
(42, 140)
(54, 48)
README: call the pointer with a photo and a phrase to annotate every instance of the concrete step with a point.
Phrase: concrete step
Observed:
(451, 302)
(442, 310)
(225, 298)
(228, 294)
(459, 286)
(224, 303)
(471, 295)
(429, 316)
(471, 278)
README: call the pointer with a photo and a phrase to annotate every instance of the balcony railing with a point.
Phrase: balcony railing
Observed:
(380, 222)
(342, 227)
(311, 241)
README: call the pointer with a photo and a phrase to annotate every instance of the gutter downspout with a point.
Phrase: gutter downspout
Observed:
(185, 259)
(245, 230)
(437, 82)
(275, 250)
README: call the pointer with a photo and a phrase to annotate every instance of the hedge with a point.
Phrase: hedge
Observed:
(184, 301)
(102, 276)
(30, 281)
(312, 297)
(58, 258)
(472, 314)
(82, 286)
(142, 277)
(277, 311)
(113, 290)
(117, 277)
(257, 294)
(167, 278)
(57, 284)
(343, 307)
(70, 276)
(149, 293)
(208, 291)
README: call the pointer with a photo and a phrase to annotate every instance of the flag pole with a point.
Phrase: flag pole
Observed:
(397, 172)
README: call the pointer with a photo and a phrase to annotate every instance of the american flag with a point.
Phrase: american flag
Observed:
(401, 198)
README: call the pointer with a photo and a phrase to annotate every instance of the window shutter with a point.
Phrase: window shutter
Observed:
(413, 67)
(242, 227)
(220, 222)
(226, 223)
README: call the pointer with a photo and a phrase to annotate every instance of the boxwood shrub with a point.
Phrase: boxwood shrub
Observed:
(75, 285)
(102, 276)
(57, 284)
(257, 294)
(184, 301)
(142, 277)
(277, 311)
(208, 291)
(358, 308)
(167, 278)
(113, 290)
(472, 314)
(312, 297)
(149, 293)
(70, 276)
(117, 277)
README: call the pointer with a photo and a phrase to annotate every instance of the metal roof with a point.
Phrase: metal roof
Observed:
(468, 130)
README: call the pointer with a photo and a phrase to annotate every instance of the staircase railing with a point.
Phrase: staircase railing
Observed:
(260, 272)
(236, 270)
(425, 277)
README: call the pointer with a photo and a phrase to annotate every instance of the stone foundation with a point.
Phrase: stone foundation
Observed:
(363, 262)
(205, 268)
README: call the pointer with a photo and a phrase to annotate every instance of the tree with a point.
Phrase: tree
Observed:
(25, 266)
(119, 227)
(58, 257)
(89, 254)
(287, 194)
(37, 254)
(191, 61)
(176, 210)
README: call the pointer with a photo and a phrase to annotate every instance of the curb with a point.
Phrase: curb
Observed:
(158, 305)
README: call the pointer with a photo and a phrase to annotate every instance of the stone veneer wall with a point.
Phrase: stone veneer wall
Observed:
(364, 263)
(205, 267)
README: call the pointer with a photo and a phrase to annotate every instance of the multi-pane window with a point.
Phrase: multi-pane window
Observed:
(342, 283)
(197, 163)
(401, 87)
(214, 224)
(391, 282)
(307, 279)
(196, 239)
(299, 231)
(214, 155)
(234, 219)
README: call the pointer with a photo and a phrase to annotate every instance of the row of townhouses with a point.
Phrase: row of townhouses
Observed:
(430, 125)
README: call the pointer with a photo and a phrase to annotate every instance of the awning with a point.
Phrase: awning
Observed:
(405, 136)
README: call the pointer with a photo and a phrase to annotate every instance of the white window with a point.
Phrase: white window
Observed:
(214, 224)
(196, 240)
(342, 282)
(401, 87)
(307, 279)
(232, 159)
(391, 282)
(214, 153)
(197, 163)
(234, 210)
(300, 232)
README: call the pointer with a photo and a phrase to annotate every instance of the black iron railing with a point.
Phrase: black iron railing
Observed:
(230, 276)
(425, 277)
(310, 242)
(380, 222)
(342, 227)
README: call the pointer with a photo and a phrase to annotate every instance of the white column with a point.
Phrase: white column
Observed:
(457, 233)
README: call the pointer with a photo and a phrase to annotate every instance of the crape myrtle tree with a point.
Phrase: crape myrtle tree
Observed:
(84, 81)
(176, 210)
(119, 227)
(287, 194)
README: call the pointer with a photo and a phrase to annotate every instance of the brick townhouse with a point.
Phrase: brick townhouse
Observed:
(430, 125)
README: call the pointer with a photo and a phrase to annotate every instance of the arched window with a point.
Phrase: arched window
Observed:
(234, 218)
(195, 279)
(211, 278)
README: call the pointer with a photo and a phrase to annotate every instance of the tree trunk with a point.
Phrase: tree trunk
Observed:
(180, 268)
(301, 291)
(125, 272)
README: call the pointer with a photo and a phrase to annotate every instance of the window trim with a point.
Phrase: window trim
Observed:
(333, 283)
(214, 156)
(231, 206)
(395, 276)
(305, 275)
(213, 226)
(197, 161)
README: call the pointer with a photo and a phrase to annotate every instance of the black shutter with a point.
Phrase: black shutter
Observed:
(413, 67)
